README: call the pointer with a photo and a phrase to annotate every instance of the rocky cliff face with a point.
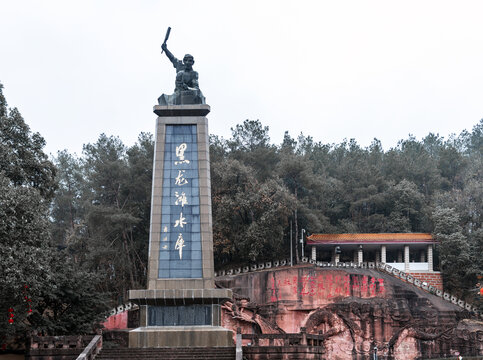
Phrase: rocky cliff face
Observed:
(356, 310)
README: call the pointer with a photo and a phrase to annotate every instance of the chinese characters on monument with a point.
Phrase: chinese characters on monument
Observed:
(180, 250)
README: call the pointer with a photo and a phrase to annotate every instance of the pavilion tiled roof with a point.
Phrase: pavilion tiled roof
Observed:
(390, 238)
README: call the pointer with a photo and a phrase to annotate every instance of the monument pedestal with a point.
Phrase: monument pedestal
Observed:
(181, 306)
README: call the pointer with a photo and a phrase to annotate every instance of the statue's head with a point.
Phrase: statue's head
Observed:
(188, 60)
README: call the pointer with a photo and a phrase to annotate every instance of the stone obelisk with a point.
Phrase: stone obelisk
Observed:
(181, 306)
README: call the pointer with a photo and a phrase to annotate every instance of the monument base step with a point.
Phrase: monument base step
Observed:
(180, 336)
(180, 353)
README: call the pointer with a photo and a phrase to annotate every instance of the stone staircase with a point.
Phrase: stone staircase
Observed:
(213, 353)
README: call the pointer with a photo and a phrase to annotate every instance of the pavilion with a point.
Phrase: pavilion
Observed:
(408, 252)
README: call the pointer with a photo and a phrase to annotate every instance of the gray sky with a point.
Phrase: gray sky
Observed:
(329, 69)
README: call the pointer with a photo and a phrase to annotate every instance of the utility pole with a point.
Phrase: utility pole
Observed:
(291, 245)
(302, 241)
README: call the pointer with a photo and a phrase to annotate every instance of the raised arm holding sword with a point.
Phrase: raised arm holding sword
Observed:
(186, 78)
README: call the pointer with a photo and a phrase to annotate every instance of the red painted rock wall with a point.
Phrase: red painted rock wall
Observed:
(355, 309)
(115, 322)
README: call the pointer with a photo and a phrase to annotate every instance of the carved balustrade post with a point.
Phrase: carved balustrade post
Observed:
(303, 331)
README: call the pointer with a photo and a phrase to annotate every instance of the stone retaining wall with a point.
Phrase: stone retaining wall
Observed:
(433, 279)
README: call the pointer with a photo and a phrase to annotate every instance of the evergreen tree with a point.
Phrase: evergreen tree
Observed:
(454, 250)
(249, 217)
(102, 210)
(26, 186)
(31, 269)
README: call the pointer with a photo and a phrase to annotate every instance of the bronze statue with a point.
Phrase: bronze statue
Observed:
(187, 90)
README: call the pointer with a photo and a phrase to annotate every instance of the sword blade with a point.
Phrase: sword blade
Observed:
(166, 37)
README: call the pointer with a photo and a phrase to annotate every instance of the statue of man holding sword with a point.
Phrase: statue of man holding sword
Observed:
(187, 90)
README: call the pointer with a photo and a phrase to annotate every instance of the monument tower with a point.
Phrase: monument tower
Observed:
(181, 306)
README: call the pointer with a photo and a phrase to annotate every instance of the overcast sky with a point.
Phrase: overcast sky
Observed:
(329, 69)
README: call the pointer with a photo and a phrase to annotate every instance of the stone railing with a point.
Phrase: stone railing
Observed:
(388, 269)
(92, 349)
(43, 347)
(121, 308)
(300, 339)
(364, 265)
(254, 267)
(60, 342)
